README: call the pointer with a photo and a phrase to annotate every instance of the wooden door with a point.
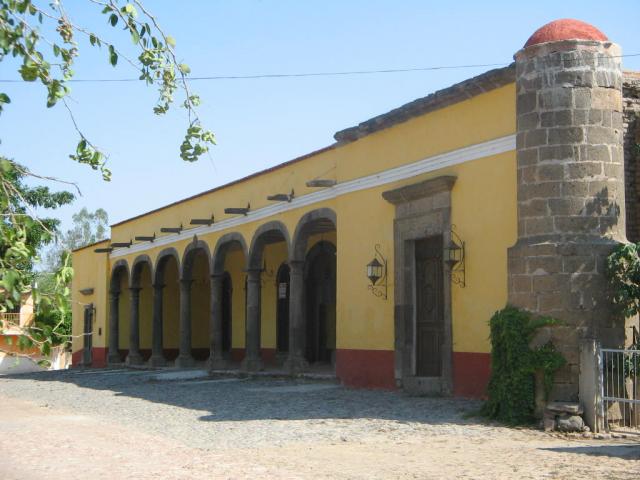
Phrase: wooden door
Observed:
(87, 357)
(429, 306)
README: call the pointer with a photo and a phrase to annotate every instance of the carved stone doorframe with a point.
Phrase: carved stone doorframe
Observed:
(423, 209)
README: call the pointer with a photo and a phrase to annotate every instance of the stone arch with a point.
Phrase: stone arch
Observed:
(222, 246)
(315, 221)
(270, 232)
(161, 262)
(116, 271)
(186, 266)
(136, 269)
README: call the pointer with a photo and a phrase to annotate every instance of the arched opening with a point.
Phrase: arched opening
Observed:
(320, 303)
(166, 283)
(229, 263)
(196, 278)
(282, 309)
(269, 250)
(119, 313)
(312, 330)
(142, 289)
(227, 314)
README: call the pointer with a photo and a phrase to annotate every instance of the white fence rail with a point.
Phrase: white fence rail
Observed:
(620, 388)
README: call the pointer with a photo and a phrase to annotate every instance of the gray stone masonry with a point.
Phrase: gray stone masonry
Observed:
(631, 133)
(570, 193)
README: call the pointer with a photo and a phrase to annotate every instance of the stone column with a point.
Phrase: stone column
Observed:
(252, 361)
(134, 357)
(570, 193)
(157, 353)
(216, 360)
(185, 360)
(296, 362)
(114, 320)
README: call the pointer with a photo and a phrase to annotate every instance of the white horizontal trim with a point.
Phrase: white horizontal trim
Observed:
(455, 157)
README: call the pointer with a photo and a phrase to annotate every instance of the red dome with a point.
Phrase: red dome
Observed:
(565, 29)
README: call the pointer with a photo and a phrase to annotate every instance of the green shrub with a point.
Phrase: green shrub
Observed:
(514, 364)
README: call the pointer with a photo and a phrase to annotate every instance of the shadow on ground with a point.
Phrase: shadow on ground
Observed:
(240, 399)
(627, 452)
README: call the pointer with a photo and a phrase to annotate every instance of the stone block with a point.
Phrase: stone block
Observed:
(576, 224)
(549, 302)
(558, 152)
(573, 423)
(535, 138)
(566, 206)
(594, 117)
(579, 264)
(528, 121)
(521, 283)
(584, 170)
(606, 98)
(567, 135)
(526, 102)
(533, 208)
(548, 283)
(538, 225)
(582, 98)
(564, 407)
(540, 190)
(555, 99)
(544, 265)
(550, 172)
(599, 135)
(595, 153)
(527, 157)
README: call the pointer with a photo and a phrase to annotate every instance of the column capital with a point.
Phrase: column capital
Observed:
(217, 276)
(114, 293)
(186, 282)
(253, 274)
(296, 265)
(158, 286)
(135, 290)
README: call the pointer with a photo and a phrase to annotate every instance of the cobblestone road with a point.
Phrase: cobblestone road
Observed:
(150, 424)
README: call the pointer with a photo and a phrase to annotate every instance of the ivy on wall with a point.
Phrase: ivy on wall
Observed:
(514, 364)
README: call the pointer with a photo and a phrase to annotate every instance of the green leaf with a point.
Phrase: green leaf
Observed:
(113, 56)
(184, 68)
(4, 98)
(171, 41)
(113, 19)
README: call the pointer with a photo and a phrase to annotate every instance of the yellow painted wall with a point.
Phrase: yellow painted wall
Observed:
(483, 209)
(146, 308)
(171, 306)
(90, 271)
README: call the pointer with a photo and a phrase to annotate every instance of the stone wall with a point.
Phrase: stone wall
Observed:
(571, 206)
(631, 134)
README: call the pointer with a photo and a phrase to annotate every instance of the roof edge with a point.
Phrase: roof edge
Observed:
(456, 93)
(90, 245)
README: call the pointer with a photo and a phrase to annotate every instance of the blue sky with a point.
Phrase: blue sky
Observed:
(260, 123)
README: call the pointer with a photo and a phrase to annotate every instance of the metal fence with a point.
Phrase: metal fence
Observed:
(620, 389)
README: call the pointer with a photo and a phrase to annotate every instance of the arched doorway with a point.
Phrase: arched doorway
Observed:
(320, 296)
(282, 309)
(227, 314)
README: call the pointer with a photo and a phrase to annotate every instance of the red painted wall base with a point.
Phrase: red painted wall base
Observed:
(471, 372)
(99, 355)
(366, 368)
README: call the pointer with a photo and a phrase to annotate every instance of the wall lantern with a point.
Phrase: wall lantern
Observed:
(377, 270)
(454, 257)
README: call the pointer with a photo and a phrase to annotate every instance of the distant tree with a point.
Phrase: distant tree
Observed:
(88, 227)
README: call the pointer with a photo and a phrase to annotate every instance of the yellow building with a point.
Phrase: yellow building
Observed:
(276, 270)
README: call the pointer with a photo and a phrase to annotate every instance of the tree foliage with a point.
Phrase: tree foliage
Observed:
(514, 363)
(43, 41)
(623, 269)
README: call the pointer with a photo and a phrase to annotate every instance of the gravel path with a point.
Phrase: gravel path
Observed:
(145, 424)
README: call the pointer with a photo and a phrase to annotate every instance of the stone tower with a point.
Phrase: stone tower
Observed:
(570, 186)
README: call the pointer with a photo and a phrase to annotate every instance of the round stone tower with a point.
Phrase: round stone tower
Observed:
(570, 186)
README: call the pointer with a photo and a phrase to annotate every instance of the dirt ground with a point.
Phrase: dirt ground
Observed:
(43, 439)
